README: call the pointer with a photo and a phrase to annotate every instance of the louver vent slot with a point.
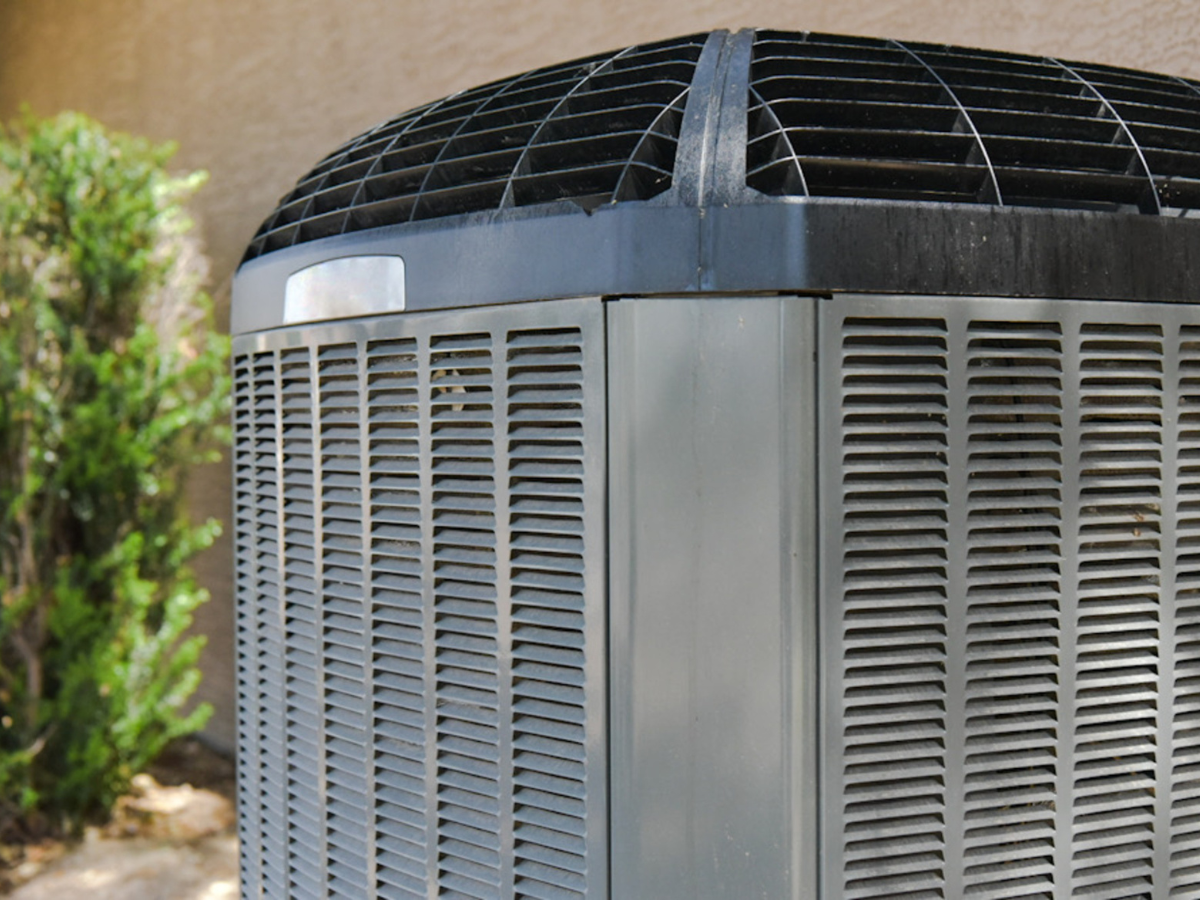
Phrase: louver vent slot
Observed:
(857, 117)
(466, 610)
(262, 767)
(546, 491)
(248, 698)
(1014, 580)
(894, 625)
(591, 131)
(1010, 635)
(302, 653)
(1118, 604)
(420, 607)
(397, 617)
(1185, 736)
(343, 617)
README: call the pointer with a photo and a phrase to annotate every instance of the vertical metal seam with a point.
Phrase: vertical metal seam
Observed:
(613, 370)
(788, 613)
(830, 588)
(597, 713)
(822, 536)
(799, 453)
(1183, 698)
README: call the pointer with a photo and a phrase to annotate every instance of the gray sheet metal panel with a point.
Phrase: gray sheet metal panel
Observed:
(712, 634)
(421, 561)
(1009, 598)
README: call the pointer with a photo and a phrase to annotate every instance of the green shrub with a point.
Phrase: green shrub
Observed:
(112, 381)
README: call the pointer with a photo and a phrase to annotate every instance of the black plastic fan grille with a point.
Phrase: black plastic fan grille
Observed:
(854, 117)
(827, 117)
(591, 131)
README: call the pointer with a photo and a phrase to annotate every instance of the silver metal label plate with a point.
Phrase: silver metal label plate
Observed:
(344, 288)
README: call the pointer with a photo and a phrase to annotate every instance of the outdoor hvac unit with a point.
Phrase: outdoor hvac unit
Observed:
(755, 465)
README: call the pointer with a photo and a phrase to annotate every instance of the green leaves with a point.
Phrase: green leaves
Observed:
(112, 386)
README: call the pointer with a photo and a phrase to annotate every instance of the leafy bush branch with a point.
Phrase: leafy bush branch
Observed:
(112, 382)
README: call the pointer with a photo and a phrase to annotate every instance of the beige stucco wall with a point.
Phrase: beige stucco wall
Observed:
(256, 92)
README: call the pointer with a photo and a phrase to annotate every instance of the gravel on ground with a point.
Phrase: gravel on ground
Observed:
(171, 838)
(104, 868)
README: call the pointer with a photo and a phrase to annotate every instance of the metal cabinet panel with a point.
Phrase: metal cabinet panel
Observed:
(712, 667)
(421, 593)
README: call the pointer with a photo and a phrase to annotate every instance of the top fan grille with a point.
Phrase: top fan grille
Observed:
(591, 131)
(827, 116)
(852, 117)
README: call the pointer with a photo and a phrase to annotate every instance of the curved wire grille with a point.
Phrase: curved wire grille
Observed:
(828, 116)
(591, 131)
(857, 117)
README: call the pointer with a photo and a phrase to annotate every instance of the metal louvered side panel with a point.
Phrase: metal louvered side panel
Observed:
(249, 803)
(893, 622)
(545, 437)
(398, 632)
(343, 618)
(302, 651)
(272, 753)
(1011, 507)
(1013, 622)
(1185, 734)
(442, 614)
(262, 767)
(1117, 608)
(467, 615)
(271, 766)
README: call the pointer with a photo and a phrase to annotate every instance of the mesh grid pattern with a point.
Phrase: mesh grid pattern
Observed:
(591, 131)
(855, 117)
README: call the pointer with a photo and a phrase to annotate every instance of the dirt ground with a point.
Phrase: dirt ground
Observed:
(172, 838)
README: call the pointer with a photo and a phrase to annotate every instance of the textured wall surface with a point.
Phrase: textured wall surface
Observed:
(257, 92)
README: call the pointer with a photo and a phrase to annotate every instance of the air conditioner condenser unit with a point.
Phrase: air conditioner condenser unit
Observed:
(754, 464)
